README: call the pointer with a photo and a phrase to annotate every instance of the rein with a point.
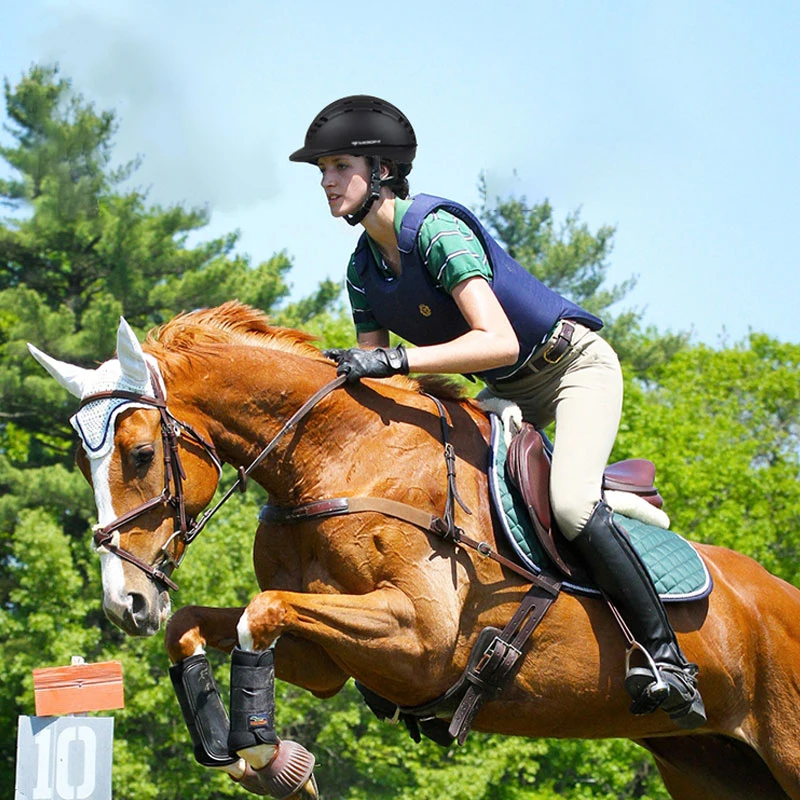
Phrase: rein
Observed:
(187, 529)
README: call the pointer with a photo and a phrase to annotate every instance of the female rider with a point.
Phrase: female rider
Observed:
(426, 269)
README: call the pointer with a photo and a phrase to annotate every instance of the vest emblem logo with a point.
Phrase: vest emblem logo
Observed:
(425, 310)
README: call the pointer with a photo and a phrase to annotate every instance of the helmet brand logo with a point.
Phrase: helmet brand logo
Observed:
(365, 141)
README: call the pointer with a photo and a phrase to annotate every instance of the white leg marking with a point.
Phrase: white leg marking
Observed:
(235, 770)
(246, 637)
(259, 755)
(243, 633)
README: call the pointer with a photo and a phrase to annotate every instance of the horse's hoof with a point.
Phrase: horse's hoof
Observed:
(288, 776)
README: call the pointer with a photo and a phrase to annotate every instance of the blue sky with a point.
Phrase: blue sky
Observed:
(676, 122)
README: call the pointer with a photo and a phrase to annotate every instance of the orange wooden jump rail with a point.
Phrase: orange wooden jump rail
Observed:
(78, 688)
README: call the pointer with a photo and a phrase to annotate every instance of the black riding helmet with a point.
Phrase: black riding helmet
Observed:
(361, 125)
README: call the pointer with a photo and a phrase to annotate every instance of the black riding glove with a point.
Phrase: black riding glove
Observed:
(378, 363)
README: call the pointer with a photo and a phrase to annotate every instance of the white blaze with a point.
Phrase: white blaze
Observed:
(95, 426)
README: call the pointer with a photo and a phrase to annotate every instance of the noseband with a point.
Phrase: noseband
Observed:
(186, 528)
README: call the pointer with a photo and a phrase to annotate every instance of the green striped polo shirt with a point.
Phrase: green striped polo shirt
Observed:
(449, 249)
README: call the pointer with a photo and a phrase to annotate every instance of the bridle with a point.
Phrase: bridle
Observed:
(186, 528)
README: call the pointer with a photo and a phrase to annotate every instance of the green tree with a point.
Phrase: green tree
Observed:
(723, 426)
(77, 251)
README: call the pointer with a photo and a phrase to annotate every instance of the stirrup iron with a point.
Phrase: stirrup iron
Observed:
(645, 685)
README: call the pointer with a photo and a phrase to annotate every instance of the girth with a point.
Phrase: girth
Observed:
(493, 662)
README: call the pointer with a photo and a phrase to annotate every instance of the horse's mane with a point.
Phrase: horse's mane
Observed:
(231, 323)
(192, 333)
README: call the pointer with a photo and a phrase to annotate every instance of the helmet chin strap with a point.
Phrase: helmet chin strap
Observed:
(375, 184)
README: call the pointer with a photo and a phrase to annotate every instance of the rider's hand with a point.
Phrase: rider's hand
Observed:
(382, 362)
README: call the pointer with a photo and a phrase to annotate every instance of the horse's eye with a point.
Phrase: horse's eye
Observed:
(143, 455)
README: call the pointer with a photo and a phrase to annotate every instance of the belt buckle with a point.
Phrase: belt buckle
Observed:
(546, 354)
(561, 339)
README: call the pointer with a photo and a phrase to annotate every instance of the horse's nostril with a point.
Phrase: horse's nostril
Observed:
(138, 606)
(139, 616)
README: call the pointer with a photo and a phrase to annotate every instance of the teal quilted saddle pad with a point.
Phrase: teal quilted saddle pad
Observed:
(678, 571)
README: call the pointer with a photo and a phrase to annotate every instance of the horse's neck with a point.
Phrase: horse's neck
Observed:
(343, 446)
(243, 419)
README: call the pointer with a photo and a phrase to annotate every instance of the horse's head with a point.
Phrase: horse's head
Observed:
(137, 457)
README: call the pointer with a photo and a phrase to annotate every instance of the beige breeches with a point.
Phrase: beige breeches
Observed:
(583, 394)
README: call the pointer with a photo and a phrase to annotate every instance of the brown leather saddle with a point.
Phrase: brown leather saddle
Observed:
(528, 469)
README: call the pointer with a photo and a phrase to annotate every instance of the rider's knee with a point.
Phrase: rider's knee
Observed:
(572, 511)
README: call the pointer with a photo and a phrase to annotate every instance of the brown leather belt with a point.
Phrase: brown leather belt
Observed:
(552, 355)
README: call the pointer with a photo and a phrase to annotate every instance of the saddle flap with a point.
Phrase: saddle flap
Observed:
(528, 469)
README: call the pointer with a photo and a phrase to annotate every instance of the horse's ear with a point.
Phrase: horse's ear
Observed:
(70, 376)
(130, 354)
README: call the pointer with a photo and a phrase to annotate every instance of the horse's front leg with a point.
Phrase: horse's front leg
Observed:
(378, 636)
(375, 634)
(192, 629)
(189, 632)
(251, 753)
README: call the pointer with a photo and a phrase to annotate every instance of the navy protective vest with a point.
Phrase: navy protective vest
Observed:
(412, 306)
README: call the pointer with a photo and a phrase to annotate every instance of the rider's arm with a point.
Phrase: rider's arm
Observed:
(490, 342)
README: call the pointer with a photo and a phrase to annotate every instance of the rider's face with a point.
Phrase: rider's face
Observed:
(345, 180)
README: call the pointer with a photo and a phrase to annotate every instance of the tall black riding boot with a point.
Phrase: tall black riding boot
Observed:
(668, 681)
(203, 712)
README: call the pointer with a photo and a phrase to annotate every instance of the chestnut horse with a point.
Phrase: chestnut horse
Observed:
(376, 598)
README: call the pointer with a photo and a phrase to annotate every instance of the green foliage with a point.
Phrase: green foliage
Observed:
(315, 311)
(225, 279)
(77, 253)
(568, 258)
(64, 147)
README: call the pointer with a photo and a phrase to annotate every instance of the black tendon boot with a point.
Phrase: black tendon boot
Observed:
(203, 711)
(253, 724)
(668, 681)
(252, 699)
